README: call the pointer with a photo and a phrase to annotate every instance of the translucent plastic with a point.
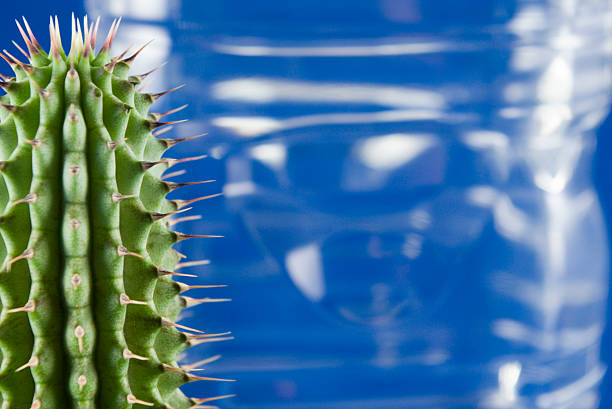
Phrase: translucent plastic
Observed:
(409, 215)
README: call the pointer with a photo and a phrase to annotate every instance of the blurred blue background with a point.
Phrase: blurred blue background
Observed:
(284, 340)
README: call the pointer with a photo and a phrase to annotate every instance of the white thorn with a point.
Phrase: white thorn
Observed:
(167, 322)
(125, 300)
(117, 197)
(122, 251)
(191, 264)
(127, 354)
(27, 254)
(190, 302)
(31, 363)
(203, 362)
(29, 307)
(30, 198)
(131, 399)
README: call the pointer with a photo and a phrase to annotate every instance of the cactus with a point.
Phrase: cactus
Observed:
(88, 298)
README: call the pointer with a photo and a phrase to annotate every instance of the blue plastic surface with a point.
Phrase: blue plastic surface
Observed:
(399, 308)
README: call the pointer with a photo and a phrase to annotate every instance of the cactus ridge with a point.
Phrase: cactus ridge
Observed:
(87, 292)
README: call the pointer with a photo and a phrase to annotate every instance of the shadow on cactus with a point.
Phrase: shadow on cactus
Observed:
(89, 301)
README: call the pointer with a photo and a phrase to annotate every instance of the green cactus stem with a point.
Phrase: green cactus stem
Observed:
(88, 299)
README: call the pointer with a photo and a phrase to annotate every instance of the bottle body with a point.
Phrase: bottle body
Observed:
(409, 208)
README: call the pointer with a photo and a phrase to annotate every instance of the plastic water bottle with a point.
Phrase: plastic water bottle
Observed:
(409, 211)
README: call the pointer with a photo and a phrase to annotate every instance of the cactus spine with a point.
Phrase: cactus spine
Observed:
(88, 301)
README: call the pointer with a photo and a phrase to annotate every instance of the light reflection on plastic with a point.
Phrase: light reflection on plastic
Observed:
(255, 126)
(566, 340)
(272, 154)
(306, 270)
(239, 189)
(576, 390)
(484, 139)
(529, 18)
(507, 377)
(231, 46)
(557, 82)
(155, 10)
(388, 152)
(571, 293)
(270, 90)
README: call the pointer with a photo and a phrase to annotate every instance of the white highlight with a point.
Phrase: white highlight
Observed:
(528, 19)
(507, 377)
(254, 126)
(483, 195)
(239, 189)
(419, 219)
(152, 10)
(391, 151)
(567, 340)
(548, 297)
(482, 139)
(249, 126)
(272, 154)
(573, 390)
(260, 50)
(306, 270)
(506, 394)
(556, 83)
(267, 90)
(528, 58)
(510, 221)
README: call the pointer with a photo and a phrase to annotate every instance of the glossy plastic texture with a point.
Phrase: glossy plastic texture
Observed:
(409, 213)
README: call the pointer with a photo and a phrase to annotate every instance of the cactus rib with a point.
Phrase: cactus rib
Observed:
(88, 300)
